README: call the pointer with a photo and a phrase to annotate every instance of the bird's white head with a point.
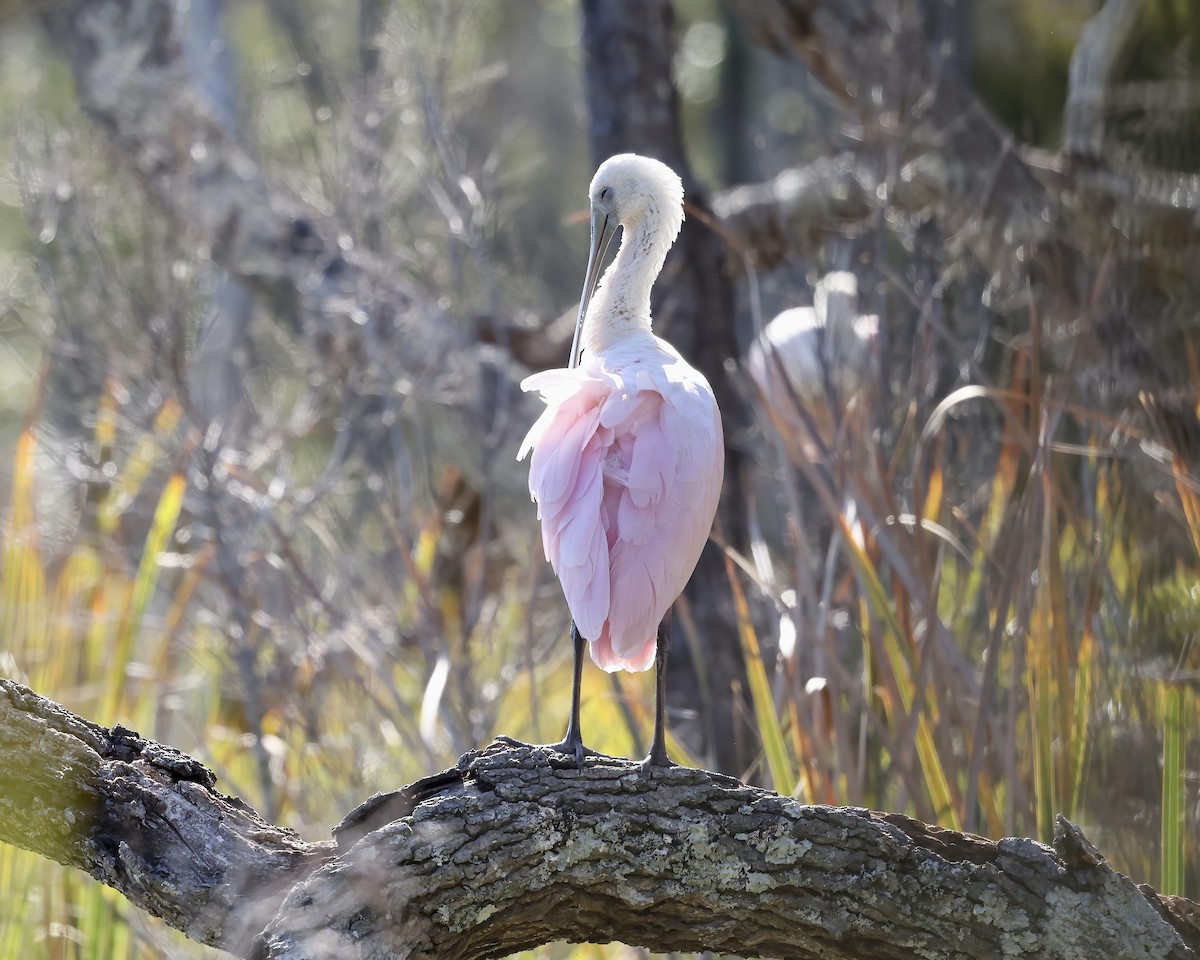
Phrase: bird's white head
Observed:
(645, 198)
(629, 188)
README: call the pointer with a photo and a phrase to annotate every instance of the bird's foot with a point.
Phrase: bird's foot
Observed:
(657, 759)
(570, 747)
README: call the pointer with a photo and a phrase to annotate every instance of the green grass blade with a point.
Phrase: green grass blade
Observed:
(23, 615)
(1041, 698)
(165, 516)
(783, 774)
(1174, 789)
(937, 784)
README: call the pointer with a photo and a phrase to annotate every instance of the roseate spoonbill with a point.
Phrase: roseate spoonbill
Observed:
(821, 359)
(628, 455)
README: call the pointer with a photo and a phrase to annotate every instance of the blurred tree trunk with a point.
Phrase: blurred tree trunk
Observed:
(633, 107)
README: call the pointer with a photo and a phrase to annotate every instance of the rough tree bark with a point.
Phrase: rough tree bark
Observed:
(144, 819)
(515, 848)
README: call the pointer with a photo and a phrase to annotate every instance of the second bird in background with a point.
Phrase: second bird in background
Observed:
(815, 367)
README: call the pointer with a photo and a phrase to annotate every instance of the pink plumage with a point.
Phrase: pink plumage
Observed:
(626, 470)
(628, 456)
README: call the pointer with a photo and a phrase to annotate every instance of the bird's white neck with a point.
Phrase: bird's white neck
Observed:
(621, 305)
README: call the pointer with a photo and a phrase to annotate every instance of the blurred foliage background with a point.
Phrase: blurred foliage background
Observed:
(317, 571)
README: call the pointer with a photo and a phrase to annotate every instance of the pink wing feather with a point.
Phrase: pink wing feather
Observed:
(626, 470)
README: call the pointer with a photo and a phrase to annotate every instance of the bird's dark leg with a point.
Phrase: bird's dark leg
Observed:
(572, 742)
(658, 747)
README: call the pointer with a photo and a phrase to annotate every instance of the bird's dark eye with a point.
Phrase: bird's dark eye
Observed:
(606, 193)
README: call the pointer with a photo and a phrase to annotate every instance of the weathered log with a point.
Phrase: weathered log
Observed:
(515, 847)
(143, 819)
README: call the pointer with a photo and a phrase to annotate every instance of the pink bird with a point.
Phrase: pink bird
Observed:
(628, 455)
